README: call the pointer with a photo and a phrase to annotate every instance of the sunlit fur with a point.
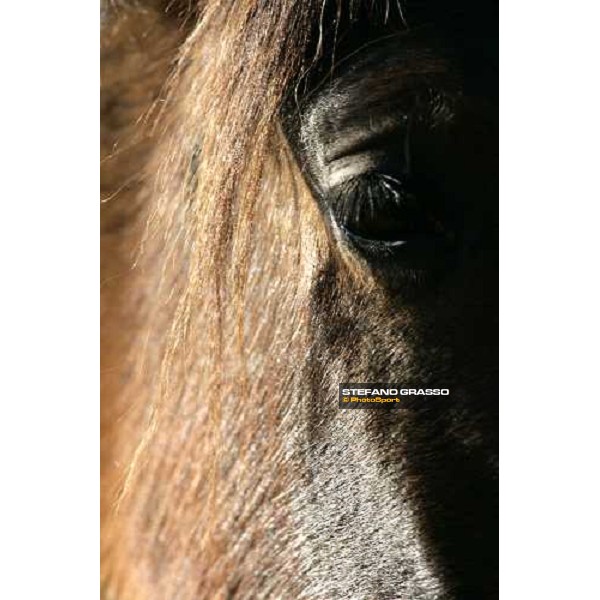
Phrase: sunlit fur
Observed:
(228, 313)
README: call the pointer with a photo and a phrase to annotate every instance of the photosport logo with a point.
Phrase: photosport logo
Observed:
(388, 396)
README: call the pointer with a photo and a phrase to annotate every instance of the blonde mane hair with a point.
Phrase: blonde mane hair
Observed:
(210, 244)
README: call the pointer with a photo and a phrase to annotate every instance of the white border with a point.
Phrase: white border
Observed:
(549, 224)
(49, 265)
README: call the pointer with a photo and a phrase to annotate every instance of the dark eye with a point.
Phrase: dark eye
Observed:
(382, 145)
(382, 184)
(383, 207)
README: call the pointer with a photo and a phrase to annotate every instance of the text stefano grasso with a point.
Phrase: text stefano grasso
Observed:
(388, 395)
(395, 391)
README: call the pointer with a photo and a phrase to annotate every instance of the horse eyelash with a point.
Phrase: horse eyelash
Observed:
(371, 191)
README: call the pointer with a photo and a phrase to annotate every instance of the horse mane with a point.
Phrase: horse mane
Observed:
(190, 115)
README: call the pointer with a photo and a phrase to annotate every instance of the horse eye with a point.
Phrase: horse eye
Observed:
(382, 207)
(380, 184)
(377, 145)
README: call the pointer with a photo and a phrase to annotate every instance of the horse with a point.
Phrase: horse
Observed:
(297, 195)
